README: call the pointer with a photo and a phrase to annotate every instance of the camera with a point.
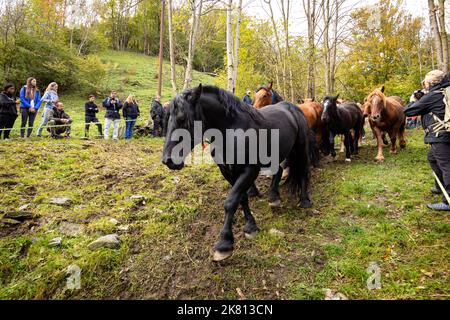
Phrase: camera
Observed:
(418, 94)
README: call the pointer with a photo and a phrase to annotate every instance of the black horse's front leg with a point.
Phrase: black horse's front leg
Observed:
(348, 146)
(224, 248)
(333, 152)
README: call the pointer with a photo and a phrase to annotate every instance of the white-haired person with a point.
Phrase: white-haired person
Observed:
(247, 98)
(50, 98)
(431, 107)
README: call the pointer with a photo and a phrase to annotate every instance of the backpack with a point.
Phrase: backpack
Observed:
(442, 125)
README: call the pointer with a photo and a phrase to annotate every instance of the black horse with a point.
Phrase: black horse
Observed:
(219, 111)
(341, 119)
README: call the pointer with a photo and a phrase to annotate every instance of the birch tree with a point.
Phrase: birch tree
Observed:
(196, 11)
(173, 78)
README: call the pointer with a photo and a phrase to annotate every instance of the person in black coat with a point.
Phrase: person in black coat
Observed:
(130, 113)
(157, 114)
(91, 109)
(112, 105)
(429, 106)
(8, 110)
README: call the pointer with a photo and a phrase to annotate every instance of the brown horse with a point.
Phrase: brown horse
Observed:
(312, 110)
(386, 116)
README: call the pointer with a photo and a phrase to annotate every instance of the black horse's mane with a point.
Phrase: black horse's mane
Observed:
(233, 105)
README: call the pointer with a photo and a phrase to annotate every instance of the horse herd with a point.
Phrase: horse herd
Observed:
(303, 130)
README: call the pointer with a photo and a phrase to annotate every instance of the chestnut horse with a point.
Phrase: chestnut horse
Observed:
(312, 110)
(386, 116)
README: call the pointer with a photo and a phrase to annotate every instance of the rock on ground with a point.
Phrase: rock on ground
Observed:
(71, 229)
(61, 201)
(109, 241)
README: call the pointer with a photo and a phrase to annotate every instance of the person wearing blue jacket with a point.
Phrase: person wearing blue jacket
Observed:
(50, 98)
(30, 101)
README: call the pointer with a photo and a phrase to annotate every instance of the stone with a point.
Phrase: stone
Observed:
(334, 295)
(24, 207)
(71, 229)
(109, 241)
(55, 242)
(176, 180)
(276, 232)
(138, 199)
(61, 201)
(19, 215)
(124, 228)
(114, 221)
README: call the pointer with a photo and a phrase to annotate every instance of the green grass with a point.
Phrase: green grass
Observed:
(363, 212)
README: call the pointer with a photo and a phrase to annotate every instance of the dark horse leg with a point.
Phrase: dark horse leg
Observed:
(348, 144)
(274, 192)
(358, 132)
(254, 192)
(250, 228)
(333, 152)
(243, 181)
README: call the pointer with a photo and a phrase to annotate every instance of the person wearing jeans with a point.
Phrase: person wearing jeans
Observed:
(50, 98)
(30, 101)
(130, 114)
(112, 105)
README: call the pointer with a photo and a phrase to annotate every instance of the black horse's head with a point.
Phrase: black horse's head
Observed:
(180, 128)
(329, 103)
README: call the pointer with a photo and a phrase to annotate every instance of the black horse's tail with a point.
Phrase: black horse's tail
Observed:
(299, 158)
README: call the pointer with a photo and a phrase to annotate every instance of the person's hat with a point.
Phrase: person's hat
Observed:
(8, 85)
(249, 92)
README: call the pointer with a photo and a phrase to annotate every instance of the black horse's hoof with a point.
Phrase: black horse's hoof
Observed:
(275, 204)
(222, 255)
(250, 236)
(305, 204)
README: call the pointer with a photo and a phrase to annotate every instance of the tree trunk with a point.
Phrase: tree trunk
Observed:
(161, 47)
(326, 45)
(196, 13)
(173, 78)
(278, 49)
(236, 46)
(443, 35)
(310, 10)
(229, 40)
(435, 33)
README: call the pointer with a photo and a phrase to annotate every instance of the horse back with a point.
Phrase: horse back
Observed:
(313, 112)
(394, 106)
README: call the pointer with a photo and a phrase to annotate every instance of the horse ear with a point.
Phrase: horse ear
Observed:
(337, 97)
(270, 85)
(382, 89)
(197, 92)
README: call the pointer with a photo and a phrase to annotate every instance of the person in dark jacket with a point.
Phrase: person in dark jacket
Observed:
(157, 114)
(8, 110)
(59, 121)
(130, 113)
(112, 105)
(248, 99)
(430, 105)
(91, 109)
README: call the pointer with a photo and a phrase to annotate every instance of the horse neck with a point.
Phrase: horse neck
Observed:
(213, 115)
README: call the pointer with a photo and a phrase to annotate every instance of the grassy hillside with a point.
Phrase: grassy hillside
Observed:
(363, 212)
(127, 73)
